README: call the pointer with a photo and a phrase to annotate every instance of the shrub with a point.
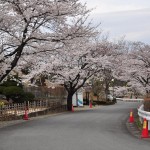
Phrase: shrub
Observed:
(28, 96)
(17, 94)
(104, 102)
(147, 105)
(94, 103)
(1, 89)
(13, 92)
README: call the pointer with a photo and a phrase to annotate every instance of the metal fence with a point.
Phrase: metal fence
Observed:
(16, 111)
(42, 92)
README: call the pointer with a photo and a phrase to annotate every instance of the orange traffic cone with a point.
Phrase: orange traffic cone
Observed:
(72, 108)
(26, 115)
(90, 104)
(145, 129)
(131, 119)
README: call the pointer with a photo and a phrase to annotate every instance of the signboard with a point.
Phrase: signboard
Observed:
(77, 99)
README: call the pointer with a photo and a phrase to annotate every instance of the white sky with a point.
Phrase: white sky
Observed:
(129, 18)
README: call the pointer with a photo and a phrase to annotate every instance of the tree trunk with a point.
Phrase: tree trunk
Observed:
(14, 61)
(106, 91)
(69, 101)
(147, 96)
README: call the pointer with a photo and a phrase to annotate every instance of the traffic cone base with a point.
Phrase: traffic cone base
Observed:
(26, 116)
(145, 130)
(90, 105)
(72, 108)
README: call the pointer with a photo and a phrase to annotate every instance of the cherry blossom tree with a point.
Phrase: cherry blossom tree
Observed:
(32, 26)
(140, 66)
(120, 91)
(134, 67)
(74, 64)
(107, 75)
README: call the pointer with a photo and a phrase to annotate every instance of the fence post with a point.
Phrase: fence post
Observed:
(46, 104)
(54, 105)
(28, 105)
(1, 111)
(15, 109)
(41, 105)
(34, 105)
(24, 105)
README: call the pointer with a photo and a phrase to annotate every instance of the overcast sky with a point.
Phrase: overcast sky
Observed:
(129, 18)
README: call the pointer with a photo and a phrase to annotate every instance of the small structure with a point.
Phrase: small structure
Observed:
(77, 99)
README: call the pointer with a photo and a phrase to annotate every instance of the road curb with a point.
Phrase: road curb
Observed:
(133, 128)
(4, 124)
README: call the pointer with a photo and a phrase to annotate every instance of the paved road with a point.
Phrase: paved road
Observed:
(98, 129)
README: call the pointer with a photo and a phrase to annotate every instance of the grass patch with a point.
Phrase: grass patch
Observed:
(103, 102)
(138, 123)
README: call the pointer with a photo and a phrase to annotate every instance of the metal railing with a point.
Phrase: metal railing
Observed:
(129, 100)
(144, 114)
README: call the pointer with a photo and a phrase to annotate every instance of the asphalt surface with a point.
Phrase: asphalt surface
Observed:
(96, 129)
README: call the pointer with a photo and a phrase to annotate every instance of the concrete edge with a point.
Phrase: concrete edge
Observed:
(15, 122)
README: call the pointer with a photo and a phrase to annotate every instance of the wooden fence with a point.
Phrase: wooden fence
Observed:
(16, 111)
